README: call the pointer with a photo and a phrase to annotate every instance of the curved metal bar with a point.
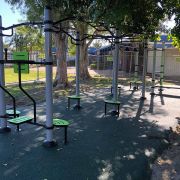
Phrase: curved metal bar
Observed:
(21, 88)
(31, 23)
(13, 98)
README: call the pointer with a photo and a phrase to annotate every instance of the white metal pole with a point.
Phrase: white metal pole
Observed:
(112, 72)
(3, 121)
(115, 69)
(144, 69)
(37, 67)
(154, 69)
(162, 67)
(49, 142)
(136, 65)
(77, 63)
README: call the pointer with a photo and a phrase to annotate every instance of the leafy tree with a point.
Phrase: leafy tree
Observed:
(27, 39)
(135, 17)
(34, 11)
(130, 17)
(97, 44)
(71, 48)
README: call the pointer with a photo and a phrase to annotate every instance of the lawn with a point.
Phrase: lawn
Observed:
(11, 77)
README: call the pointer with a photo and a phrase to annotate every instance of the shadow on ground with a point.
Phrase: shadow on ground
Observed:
(100, 147)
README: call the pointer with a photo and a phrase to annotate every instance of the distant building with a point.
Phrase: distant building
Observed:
(172, 57)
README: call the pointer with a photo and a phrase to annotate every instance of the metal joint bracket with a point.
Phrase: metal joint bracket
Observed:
(48, 30)
(4, 116)
(48, 63)
(48, 22)
(51, 127)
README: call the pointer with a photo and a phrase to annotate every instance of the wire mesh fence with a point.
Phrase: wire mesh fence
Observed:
(102, 65)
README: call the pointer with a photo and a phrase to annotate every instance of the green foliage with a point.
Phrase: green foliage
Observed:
(137, 17)
(97, 44)
(93, 66)
(176, 40)
(27, 39)
(134, 17)
(71, 48)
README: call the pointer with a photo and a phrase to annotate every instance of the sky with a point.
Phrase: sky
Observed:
(8, 16)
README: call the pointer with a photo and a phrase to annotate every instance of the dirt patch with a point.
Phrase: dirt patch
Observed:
(167, 166)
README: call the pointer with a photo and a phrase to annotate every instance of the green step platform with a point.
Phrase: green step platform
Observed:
(119, 90)
(20, 120)
(116, 103)
(135, 83)
(74, 97)
(62, 123)
(10, 112)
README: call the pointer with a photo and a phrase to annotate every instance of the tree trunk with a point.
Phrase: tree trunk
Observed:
(84, 73)
(61, 79)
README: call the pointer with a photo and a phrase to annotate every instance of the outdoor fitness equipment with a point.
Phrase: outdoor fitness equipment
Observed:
(50, 122)
(11, 113)
(118, 87)
(143, 97)
(77, 95)
(114, 100)
(161, 68)
(2, 92)
(135, 81)
(20, 120)
(49, 27)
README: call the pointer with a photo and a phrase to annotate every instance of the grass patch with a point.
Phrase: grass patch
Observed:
(36, 90)
(11, 77)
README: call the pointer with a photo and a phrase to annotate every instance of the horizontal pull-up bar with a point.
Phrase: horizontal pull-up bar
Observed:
(31, 23)
(24, 62)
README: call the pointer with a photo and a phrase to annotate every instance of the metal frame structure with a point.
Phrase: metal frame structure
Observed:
(161, 67)
(49, 27)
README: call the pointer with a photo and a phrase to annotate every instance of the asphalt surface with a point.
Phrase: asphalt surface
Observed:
(99, 147)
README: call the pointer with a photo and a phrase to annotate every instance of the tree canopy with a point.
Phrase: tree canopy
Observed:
(27, 38)
(131, 18)
(141, 16)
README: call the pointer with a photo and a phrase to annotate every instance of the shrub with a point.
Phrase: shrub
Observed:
(93, 66)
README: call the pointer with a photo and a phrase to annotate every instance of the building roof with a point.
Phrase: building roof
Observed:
(92, 50)
(164, 38)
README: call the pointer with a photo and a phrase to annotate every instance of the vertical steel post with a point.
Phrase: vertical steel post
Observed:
(5, 53)
(37, 67)
(3, 120)
(49, 142)
(144, 70)
(154, 69)
(136, 65)
(116, 68)
(162, 67)
(77, 63)
(112, 73)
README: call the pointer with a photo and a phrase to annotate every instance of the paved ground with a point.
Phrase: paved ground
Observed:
(100, 147)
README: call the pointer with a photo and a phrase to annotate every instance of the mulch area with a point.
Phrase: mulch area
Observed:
(167, 166)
